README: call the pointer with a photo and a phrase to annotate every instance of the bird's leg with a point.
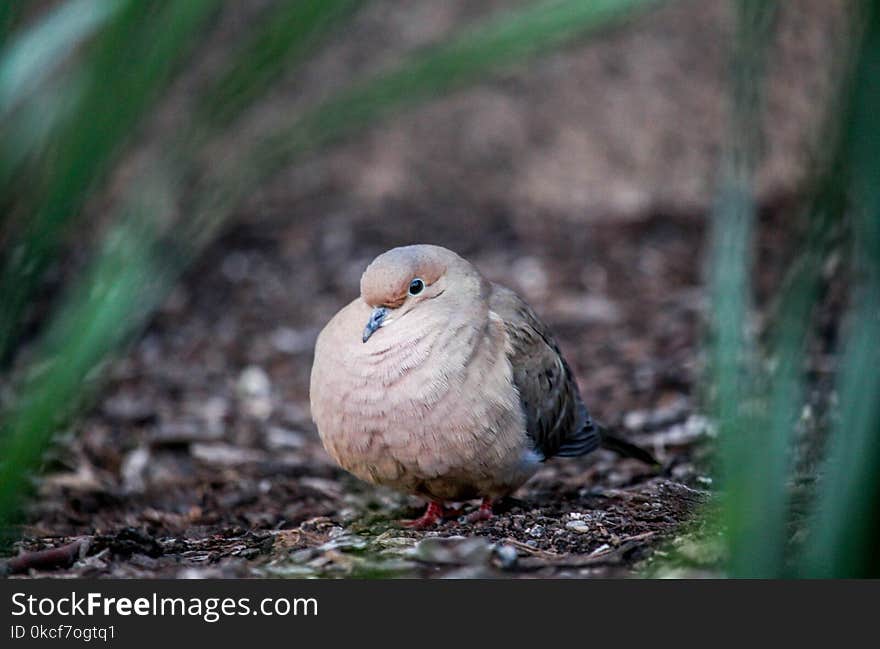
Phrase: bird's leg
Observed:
(433, 515)
(484, 513)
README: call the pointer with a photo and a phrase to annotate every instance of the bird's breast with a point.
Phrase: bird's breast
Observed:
(424, 410)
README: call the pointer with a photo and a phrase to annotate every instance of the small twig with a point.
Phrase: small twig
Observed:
(624, 544)
(603, 557)
(519, 545)
(60, 557)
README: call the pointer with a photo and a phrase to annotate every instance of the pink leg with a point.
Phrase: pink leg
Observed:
(433, 515)
(484, 513)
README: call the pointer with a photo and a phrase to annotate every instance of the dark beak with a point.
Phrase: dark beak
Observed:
(377, 317)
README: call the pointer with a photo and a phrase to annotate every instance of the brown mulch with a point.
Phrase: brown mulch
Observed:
(200, 457)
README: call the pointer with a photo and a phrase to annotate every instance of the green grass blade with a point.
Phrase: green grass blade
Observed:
(752, 475)
(285, 36)
(799, 294)
(31, 129)
(476, 52)
(846, 528)
(9, 14)
(132, 61)
(512, 37)
(32, 56)
(127, 281)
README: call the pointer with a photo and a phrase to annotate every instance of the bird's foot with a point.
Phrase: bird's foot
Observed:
(433, 515)
(452, 512)
(484, 512)
(436, 513)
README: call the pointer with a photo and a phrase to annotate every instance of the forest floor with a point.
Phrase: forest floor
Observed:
(200, 458)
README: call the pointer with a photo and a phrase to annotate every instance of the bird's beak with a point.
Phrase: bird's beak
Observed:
(377, 317)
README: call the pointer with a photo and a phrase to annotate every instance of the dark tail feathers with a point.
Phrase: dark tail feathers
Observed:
(626, 449)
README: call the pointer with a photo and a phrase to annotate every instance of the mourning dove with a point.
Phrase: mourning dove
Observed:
(439, 383)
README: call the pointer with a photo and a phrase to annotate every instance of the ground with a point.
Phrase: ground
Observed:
(583, 183)
(201, 459)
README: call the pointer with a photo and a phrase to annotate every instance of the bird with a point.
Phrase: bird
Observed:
(436, 382)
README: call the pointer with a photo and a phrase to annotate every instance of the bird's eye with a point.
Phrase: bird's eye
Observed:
(416, 286)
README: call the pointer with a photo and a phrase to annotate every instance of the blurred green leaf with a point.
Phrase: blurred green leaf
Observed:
(9, 14)
(128, 278)
(32, 127)
(477, 51)
(465, 58)
(752, 480)
(845, 531)
(31, 57)
(760, 410)
(131, 61)
(286, 35)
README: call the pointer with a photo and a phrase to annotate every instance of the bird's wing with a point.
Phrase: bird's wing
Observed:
(556, 420)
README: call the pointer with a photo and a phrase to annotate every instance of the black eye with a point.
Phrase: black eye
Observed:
(416, 286)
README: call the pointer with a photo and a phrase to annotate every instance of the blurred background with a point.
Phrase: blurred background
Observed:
(685, 191)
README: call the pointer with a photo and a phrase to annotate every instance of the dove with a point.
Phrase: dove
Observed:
(439, 383)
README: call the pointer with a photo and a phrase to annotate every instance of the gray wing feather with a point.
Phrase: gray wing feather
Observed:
(556, 420)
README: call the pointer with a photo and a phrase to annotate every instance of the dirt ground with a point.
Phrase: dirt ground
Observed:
(200, 458)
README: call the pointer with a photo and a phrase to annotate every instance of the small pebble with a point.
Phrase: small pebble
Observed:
(578, 526)
(254, 382)
(505, 555)
(453, 550)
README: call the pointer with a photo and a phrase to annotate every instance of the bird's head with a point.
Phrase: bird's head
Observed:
(409, 278)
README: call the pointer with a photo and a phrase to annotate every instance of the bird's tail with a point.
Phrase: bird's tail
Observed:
(626, 449)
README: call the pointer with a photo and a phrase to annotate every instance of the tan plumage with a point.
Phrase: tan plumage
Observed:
(458, 392)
